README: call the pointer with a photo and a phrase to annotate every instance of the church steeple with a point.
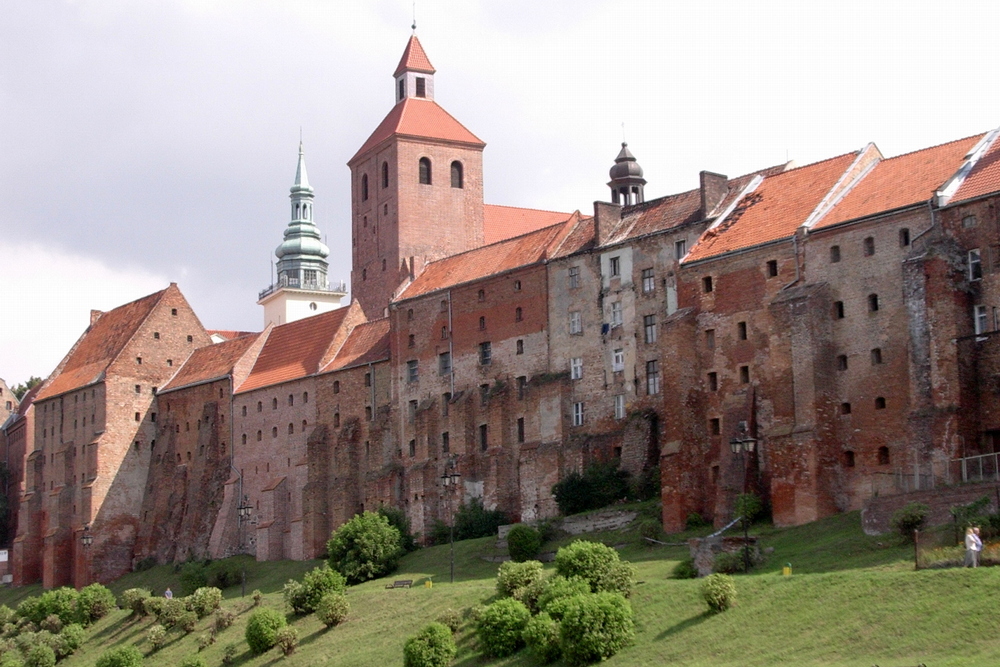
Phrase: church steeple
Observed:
(414, 75)
(626, 182)
(302, 287)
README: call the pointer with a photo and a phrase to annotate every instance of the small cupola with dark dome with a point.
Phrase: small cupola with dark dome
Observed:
(626, 179)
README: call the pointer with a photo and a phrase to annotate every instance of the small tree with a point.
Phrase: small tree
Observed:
(156, 636)
(596, 563)
(303, 597)
(287, 639)
(473, 520)
(123, 656)
(262, 629)
(431, 647)
(512, 576)
(909, 518)
(40, 655)
(500, 627)
(523, 543)
(332, 608)
(595, 626)
(397, 518)
(366, 547)
(205, 600)
(94, 603)
(134, 599)
(719, 591)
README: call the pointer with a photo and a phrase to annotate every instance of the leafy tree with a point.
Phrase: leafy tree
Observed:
(262, 629)
(123, 656)
(366, 547)
(595, 626)
(303, 597)
(905, 520)
(397, 518)
(600, 485)
(431, 647)
(597, 564)
(21, 389)
(500, 627)
(473, 520)
(523, 543)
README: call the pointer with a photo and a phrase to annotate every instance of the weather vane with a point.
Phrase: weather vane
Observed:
(414, 26)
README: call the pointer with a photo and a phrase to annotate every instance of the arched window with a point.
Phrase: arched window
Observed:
(274, 431)
(274, 403)
(258, 436)
(244, 438)
(291, 428)
(456, 175)
(518, 314)
(425, 171)
(364, 187)
(385, 174)
(848, 459)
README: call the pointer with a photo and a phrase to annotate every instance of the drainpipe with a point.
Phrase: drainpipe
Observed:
(930, 210)
(232, 450)
(451, 347)
(798, 274)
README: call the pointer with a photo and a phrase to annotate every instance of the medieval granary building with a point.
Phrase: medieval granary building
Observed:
(839, 316)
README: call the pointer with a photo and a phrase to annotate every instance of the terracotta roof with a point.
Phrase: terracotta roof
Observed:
(415, 117)
(504, 222)
(774, 209)
(28, 399)
(368, 342)
(294, 350)
(414, 59)
(210, 362)
(984, 177)
(580, 237)
(487, 260)
(98, 347)
(901, 181)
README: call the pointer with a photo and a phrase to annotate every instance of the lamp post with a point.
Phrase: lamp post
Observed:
(86, 539)
(450, 480)
(742, 445)
(243, 512)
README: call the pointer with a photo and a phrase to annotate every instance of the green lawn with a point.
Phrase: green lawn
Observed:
(852, 600)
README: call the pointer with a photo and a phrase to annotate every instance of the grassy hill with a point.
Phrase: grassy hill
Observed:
(852, 600)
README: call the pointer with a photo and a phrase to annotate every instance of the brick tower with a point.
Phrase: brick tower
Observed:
(416, 188)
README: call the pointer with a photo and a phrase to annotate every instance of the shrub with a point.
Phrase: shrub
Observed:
(205, 640)
(595, 627)
(397, 518)
(187, 621)
(123, 656)
(541, 634)
(24, 641)
(262, 629)
(11, 659)
(7, 615)
(597, 564)
(650, 528)
(70, 639)
(529, 594)
(222, 574)
(907, 519)
(500, 627)
(451, 619)
(473, 520)
(431, 647)
(60, 601)
(94, 603)
(560, 588)
(366, 547)
(685, 570)
(332, 608)
(727, 562)
(153, 606)
(193, 661)
(512, 576)
(229, 654)
(695, 521)
(257, 596)
(223, 619)
(134, 599)
(204, 601)
(40, 655)
(287, 639)
(156, 636)
(600, 485)
(147, 563)
(440, 533)
(719, 591)
(523, 543)
(52, 624)
(647, 486)
(303, 597)
(171, 612)
(193, 576)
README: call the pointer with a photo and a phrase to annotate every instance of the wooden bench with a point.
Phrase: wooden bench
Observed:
(402, 583)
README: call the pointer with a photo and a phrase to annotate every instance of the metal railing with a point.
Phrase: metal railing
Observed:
(982, 468)
(928, 476)
(295, 283)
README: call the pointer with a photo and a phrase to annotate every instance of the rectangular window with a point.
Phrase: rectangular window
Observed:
(706, 284)
(869, 245)
(484, 394)
(520, 429)
(445, 403)
(574, 277)
(522, 386)
(710, 338)
(838, 309)
(982, 319)
(713, 381)
(368, 380)
(519, 346)
(842, 362)
(413, 448)
(873, 302)
(616, 313)
(715, 426)
(834, 254)
(576, 368)
(412, 372)
(772, 268)
(614, 267)
(975, 265)
(485, 353)
(969, 221)
(649, 328)
(618, 360)
(648, 281)
(741, 330)
(680, 249)
(484, 439)
(445, 443)
(578, 414)
(575, 322)
(421, 87)
(412, 411)
(653, 377)
(444, 363)
(619, 406)
(745, 374)
(876, 356)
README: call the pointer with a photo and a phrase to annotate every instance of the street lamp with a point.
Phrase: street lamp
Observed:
(243, 514)
(86, 539)
(450, 480)
(742, 445)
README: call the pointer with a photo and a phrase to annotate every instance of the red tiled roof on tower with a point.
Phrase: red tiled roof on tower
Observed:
(99, 346)
(422, 119)
(414, 59)
(505, 222)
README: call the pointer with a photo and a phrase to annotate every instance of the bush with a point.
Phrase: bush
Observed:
(650, 528)
(222, 574)
(52, 624)
(40, 655)
(156, 636)
(597, 564)
(153, 606)
(473, 520)
(303, 597)
(440, 533)
(7, 615)
(204, 601)
(451, 619)
(205, 640)
(171, 612)
(541, 634)
(397, 518)
(11, 659)
(123, 656)
(262, 629)
(60, 601)
(431, 647)
(529, 594)
(512, 576)
(223, 619)
(70, 639)
(904, 520)
(600, 485)
(287, 639)
(647, 486)
(695, 521)
(332, 608)
(719, 592)
(229, 654)
(194, 575)
(134, 599)
(558, 589)
(187, 621)
(685, 570)
(193, 661)
(727, 562)
(523, 543)
(595, 627)
(94, 603)
(500, 627)
(366, 547)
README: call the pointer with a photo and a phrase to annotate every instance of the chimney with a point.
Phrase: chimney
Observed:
(95, 315)
(606, 219)
(714, 188)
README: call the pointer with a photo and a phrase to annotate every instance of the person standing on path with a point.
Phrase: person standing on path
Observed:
(977, 547)
(970, 547)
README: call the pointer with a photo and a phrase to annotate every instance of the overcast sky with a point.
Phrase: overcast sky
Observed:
(145, 141)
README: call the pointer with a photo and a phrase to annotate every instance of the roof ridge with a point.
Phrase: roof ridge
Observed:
(940, 145)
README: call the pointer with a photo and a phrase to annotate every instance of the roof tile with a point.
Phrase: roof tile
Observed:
(414, 59)
(368, 342)
(210, 362)
(415, 117)
(504, 222)
(984, 177)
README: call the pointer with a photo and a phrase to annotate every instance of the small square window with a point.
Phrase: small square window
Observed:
(190, 339)
(969, 221)
(156, 335)
(845, 408)
(876, 356)
(880, 403)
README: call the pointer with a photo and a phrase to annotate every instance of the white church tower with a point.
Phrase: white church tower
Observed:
(302, 288)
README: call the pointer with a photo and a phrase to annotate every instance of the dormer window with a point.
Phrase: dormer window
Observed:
(421, 87)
